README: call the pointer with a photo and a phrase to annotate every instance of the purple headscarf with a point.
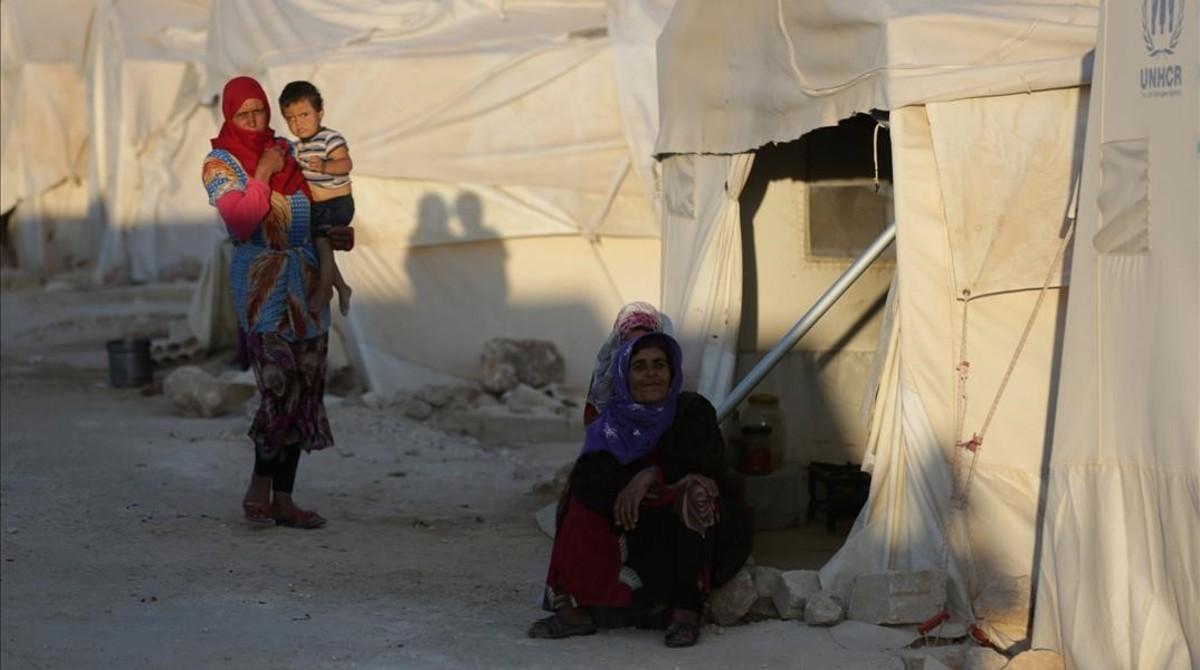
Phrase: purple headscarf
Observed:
(626, 428)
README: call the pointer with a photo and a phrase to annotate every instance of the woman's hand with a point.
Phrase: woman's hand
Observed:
(270, 162)
(625, 509)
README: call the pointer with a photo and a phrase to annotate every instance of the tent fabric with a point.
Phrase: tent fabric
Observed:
(43, 133)
(910, 522)
(147, 134)
(702, 271)
(736, 76)
(1119, 584)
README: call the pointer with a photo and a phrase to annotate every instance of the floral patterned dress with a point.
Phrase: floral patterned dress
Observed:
(271, 275)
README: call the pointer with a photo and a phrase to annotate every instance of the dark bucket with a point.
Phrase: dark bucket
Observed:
(129, 362)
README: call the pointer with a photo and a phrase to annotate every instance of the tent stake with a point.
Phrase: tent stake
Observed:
(806, 322)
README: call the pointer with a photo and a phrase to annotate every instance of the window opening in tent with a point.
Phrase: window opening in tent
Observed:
(845, 208)
(809, 206)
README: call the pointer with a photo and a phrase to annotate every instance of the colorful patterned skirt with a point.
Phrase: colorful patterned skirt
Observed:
(291, 387)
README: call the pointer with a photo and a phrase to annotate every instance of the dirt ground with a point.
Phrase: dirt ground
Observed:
(123, 546)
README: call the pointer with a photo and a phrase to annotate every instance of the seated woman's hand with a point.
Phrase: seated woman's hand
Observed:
(625, 509)
(341, 238)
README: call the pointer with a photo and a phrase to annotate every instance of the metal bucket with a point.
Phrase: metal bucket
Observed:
(129, 362)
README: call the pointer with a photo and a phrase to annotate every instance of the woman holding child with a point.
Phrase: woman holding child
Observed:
(264, 201)
(647, 526)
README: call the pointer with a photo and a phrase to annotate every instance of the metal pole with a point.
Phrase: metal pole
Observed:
(806, 322)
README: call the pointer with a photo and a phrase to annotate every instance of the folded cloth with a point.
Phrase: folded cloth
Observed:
(696, 504)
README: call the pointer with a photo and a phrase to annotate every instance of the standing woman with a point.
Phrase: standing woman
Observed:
(260, 193)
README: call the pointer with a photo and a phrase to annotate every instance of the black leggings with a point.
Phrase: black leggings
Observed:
(281, 469)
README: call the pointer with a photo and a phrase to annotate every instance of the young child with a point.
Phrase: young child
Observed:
(325, 161)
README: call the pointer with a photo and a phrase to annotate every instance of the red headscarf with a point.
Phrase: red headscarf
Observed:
(248, 145)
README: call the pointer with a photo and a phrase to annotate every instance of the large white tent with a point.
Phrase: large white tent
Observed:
(1119, 578)
(986, 105)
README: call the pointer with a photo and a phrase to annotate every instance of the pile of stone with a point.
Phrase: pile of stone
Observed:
(195, 392)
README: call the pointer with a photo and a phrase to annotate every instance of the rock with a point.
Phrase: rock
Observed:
(195, 392)
(506, 363)
(732, 600)
(1038, 659)
(823, 609)
(897, 597)
(546, 519)
(436, 396)
(766, 578)
(375, 400)
(415, 408)
(463, 398)
(524, 399)
(984, 658)
(792, 591)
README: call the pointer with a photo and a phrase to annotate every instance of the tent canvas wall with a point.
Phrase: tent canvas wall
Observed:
(43, 134)
(496, 193)
(986, 119)
(1119, 578)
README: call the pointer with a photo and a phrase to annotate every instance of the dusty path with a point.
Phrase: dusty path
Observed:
(122, 544)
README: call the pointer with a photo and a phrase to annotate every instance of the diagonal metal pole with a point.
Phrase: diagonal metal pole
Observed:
(806, 322)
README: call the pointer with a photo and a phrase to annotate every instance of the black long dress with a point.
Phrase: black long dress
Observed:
(661, 562)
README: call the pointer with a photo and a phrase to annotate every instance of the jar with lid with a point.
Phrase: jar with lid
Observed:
(762, 428)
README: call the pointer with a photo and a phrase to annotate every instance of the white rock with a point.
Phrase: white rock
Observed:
(869, 637)
(897, 597)
(823, 609)
(1037, 659)
(415, 408)
(983, 658)
(792, 591)
(546, 519)
(732, 600)
(436, 395)
(376, 400)
(524, 399)
(951, 657)
(195, 392)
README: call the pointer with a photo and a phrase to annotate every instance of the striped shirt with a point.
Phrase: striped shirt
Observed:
(321, 146)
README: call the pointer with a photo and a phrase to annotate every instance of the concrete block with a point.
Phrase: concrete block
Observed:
(896, 597)
(792, 591)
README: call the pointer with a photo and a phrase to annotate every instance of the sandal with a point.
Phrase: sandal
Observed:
(257, 514)
(555, 627)
(305, 519)
(682, 634)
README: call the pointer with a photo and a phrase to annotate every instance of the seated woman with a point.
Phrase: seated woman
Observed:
(635, 318)
(644, 527)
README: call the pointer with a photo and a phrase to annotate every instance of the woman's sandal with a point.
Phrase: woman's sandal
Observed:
(257, 514)
(554, 627)
(682, 634)
(305, 519)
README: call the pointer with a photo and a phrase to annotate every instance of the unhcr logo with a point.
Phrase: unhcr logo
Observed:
(1162, 24)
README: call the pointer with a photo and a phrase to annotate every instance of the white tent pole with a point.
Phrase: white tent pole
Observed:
(806, 322)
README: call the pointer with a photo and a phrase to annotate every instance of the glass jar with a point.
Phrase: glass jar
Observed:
(762, 424)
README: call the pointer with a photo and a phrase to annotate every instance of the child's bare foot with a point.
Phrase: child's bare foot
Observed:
(344, 291)
(319, 299)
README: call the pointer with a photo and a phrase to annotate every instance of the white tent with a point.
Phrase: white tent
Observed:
(148, 131)
(495, 189)
(43, 133)
(986, 115)
(1119, 573)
